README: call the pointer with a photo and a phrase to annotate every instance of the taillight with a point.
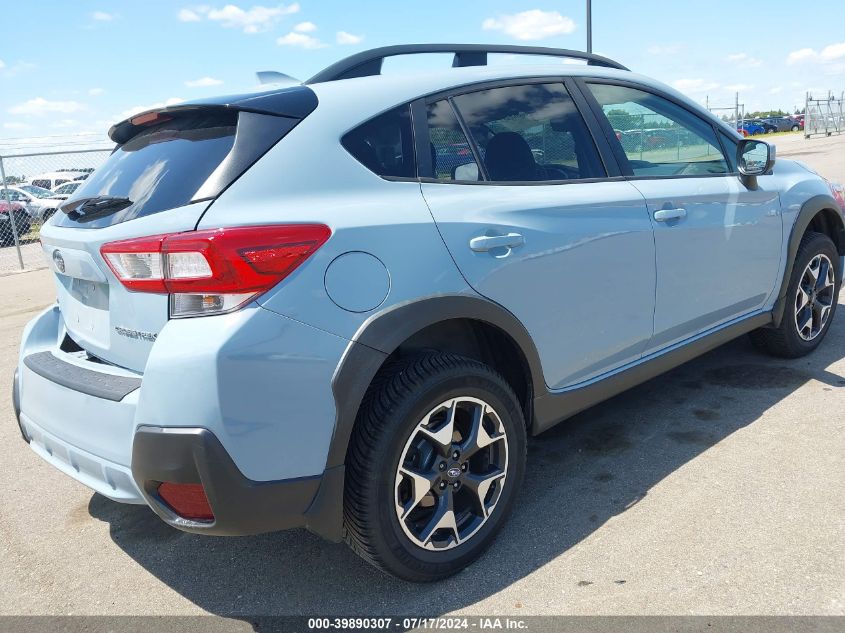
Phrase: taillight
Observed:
(216, 270)
(189, 501)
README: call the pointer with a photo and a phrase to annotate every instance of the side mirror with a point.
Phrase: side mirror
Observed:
(467, 171)
(754, 158)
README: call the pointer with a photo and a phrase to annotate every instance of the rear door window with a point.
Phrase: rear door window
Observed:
(385, 144)
(530, 132)
(452, 157)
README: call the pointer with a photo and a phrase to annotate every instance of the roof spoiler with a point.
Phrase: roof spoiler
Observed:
(295, 102)
(369, 63)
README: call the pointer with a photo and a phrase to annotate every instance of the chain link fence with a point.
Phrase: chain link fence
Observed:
(824, 116)
(34, 185)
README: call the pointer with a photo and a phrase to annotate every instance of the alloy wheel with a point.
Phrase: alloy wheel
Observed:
(451, 473)
(814, 299)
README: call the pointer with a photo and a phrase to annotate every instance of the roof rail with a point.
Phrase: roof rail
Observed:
(368, 63)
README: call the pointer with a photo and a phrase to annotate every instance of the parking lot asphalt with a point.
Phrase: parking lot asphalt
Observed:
(714, 489)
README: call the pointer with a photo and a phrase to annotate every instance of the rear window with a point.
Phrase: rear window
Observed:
(162, 167)
(385, 144)
(193, 156)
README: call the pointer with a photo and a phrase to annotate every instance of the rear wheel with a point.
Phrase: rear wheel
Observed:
(434, 466)
(812, 296)
(795, 128)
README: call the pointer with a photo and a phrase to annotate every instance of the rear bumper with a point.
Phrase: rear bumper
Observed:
(240, 506)
(254, 404)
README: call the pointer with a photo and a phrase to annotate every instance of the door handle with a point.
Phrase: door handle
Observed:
(669, 214)
(484, 243)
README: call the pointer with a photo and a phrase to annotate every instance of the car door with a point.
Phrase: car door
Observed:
(534, 224)
(717, 241)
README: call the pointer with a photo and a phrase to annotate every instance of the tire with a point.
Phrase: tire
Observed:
(391, 435)
(795, 336)
(795, 128)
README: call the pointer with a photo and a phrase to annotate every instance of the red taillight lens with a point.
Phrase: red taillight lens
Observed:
(216, 270)
(187, 500)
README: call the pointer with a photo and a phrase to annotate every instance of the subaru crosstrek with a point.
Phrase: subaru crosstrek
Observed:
(343, 304)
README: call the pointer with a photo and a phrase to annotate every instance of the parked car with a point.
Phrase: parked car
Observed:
(768, 128)
(40, 203)
(20, 218)
(63, 192)
(312, 325)
(751, 128)
(53, 179)
(783, 124)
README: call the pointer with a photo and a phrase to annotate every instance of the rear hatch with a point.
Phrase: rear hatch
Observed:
(168, 167)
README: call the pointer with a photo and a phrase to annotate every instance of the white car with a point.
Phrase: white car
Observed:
(40, 203)
(63, 192)
(53, 179)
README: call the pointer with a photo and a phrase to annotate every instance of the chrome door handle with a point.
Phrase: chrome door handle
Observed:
(669, 214)
(484, 243)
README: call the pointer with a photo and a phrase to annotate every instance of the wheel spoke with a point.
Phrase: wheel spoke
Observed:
(478, 437)
(442, 438)
(803, 300)
(805, 321)
(480, 486)
(421, 485)
(443, 518)
(812, 273)
(821, 279)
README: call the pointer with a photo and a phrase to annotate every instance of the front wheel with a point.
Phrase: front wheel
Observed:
(434, 465)
(811, 300)
(795, 128)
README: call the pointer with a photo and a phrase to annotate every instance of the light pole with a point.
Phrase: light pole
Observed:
(589, 26)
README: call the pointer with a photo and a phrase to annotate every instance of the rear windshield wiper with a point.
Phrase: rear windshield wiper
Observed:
(87, 209)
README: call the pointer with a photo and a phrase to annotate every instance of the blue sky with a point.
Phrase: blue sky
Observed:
(68, 68)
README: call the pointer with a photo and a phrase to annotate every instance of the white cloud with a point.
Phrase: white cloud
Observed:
(40, 106)
(305, 27)
(143, 108)
(801, 55)
(531, 25)
(776, 90)
(833, 51)
(694, 86)
(95, 92)
(743, 60)
(348, 38)
(102, 16)
(16, 125)
(301, 40)
(203, 82)
(188, 15)
(256, 19)
(16, 68)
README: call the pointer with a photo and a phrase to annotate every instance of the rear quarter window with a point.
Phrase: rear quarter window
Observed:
(385, 144)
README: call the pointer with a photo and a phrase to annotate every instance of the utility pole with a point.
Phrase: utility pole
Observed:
(589, 26)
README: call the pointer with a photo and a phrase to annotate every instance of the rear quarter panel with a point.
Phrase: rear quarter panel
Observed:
(309, 177)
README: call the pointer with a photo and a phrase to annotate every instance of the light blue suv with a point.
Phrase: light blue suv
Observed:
(344, 304)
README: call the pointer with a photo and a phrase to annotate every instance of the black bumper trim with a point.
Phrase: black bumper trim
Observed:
(93, 383)
(16, 404)
(240, 505)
